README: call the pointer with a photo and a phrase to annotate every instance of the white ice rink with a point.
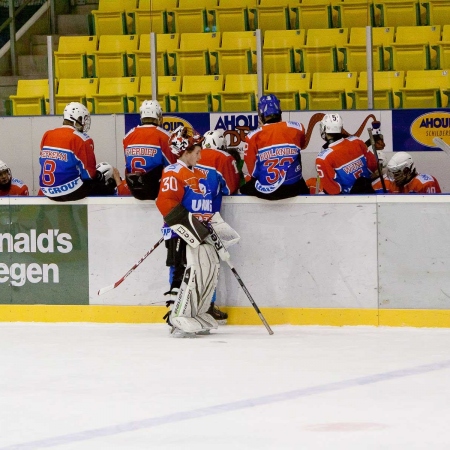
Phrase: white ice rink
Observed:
(102, 387)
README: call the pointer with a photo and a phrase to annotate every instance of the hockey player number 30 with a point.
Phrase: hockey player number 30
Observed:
(48, 171)
(169, 184)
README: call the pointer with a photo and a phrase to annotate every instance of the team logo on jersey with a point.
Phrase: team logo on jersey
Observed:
(198, 186)
(431, 125)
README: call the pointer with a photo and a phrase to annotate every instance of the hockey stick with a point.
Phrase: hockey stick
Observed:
(442, 145)
(114, 285)
(380, 169)
(225, 256)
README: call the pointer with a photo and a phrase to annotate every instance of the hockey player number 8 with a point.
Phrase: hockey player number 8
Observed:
(48, 170)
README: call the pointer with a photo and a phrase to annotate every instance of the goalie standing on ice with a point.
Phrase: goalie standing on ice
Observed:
(185, 200)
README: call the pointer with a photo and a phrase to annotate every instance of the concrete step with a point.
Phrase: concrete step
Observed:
(39, 44)
(73, 24)
(33, 66)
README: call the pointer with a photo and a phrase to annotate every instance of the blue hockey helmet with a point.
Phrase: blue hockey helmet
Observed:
(269, 105)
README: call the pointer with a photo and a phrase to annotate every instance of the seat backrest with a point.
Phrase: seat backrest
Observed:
(446, 33)
(331, 81)
(202, 84)
(117, 5)
(77, 44)
(327, 37)
(199, 41)
(282, 82)
(384, 80)
(119, 85)
(380, 36)
(241, 83)
(167, 42)
(284, 38)
(189, 4)
(157, 5)
(237, 3)
(169, 84)
(118, 43)
(394, 13)
(427, 79)
(32, 88)
(238, 40)
(418, 34)
(438, 12)
(77, 86)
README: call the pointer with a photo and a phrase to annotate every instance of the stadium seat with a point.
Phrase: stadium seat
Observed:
(192, 58)
(192, 18)
(354, 13)
(425, 89)
(116, 95)
(231, 15)
(112, 57)
(315, 14)
(412, 48)
(437, 12)
(31, 98)
(76, 90)
(278, 50)
(74, 57)
(394, 13)
(167, 86)
(386, 84)
(288, 87)
(354, 53)
(271, 15)
(235, 54)
(443, 49)
(199, 93)
(111, 18)
(239, 93)
(151, 16)
(320, 52)
(329, 91)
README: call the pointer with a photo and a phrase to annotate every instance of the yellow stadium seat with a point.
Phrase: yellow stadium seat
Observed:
(278, 50)
(239, 93)
(111, 18)
(329, 91)
(112, 57)
(425, 89)
(354, 13)
(151, 16)
(192, 58)
(229, 16)
(386, 84)
(167, 86)
(443, 49)
(192, 17)
(199, 93)
(75, 90)
(116, 95)
(437, 12)
(355, 57)
(412, 48)
(31, 98)
(271, 15)
(320, 52)
(315, 14)
(288, 87)
(394, 13)
(235, 54)
(74, 59)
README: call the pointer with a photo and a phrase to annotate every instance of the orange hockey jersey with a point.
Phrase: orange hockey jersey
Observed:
(17, 187)
(420, 184)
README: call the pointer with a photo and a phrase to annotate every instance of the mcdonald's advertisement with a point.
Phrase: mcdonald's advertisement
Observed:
(44, 255)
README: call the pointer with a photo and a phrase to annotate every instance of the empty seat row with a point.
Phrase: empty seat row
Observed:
(314, 50)
(180, 16)
(238, 92)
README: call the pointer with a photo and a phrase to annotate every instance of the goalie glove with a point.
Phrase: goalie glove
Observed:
(187, 226)
(228, 236)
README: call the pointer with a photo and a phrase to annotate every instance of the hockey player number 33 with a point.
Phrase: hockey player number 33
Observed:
(275, 168)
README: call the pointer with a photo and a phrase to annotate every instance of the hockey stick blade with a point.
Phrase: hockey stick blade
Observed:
(442, 145)
(118, 282)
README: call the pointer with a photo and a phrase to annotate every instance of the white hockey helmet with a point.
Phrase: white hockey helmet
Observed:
(331, 124)
(151, 109)
(79, 115)
(214, 139)
(106, 169)
(184, 139)
(400, 167)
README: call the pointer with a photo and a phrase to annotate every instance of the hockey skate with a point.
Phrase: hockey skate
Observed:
(220, 316)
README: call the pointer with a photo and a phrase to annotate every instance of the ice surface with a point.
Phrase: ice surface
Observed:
(102, 386)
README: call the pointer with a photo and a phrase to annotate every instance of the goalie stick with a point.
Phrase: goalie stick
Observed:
(380, 169)
(114, 285)
(225, 256)
(442, 145)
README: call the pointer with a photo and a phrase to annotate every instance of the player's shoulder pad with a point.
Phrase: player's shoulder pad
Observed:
(131, 131)
(424, 177)
(250, 134)
(167, 133)
(173, 168)
(324, 153)
(354, 138)
(82, 135)
(292, 124)
(17, 182)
